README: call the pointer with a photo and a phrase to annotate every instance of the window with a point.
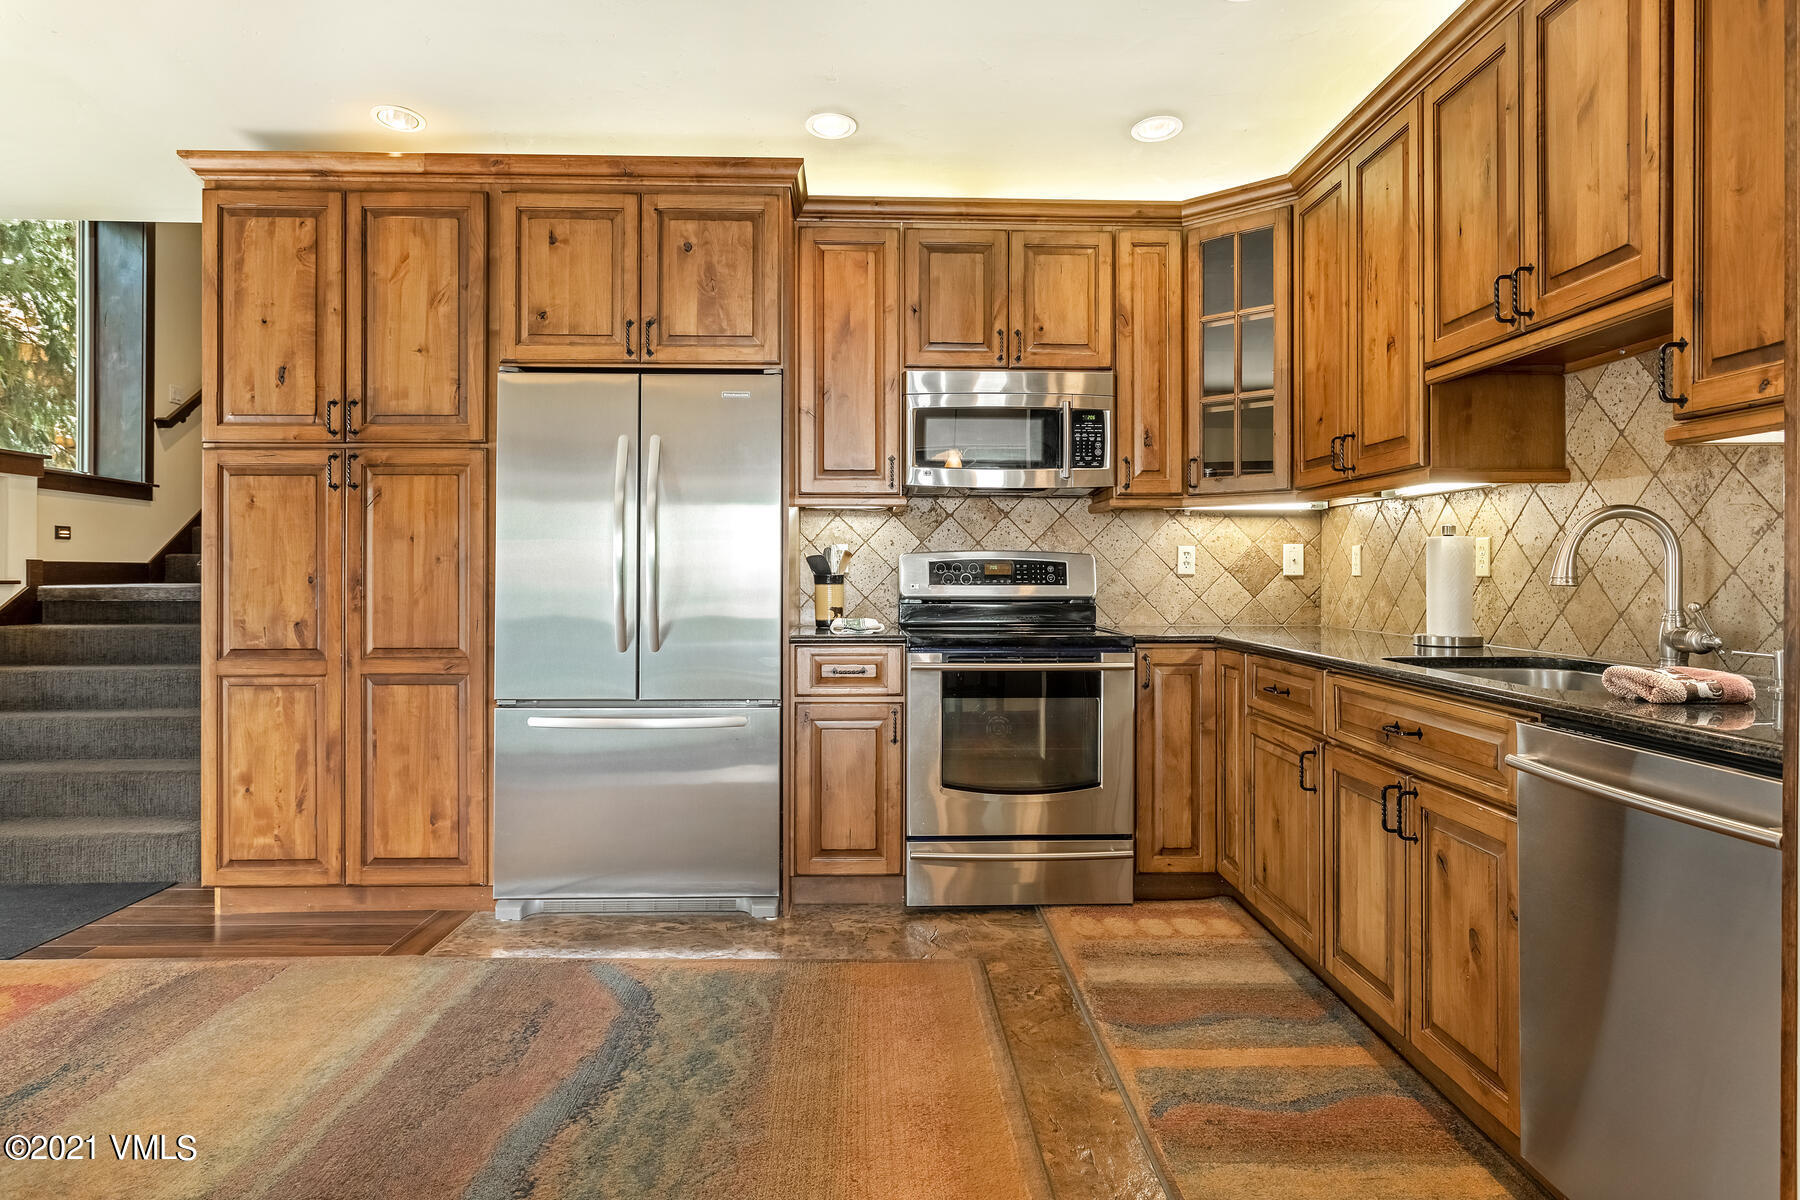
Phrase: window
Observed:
(75, 345)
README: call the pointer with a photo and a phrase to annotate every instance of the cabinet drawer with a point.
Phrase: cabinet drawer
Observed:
(1284, 691)
(848, 671)
(1441, 739)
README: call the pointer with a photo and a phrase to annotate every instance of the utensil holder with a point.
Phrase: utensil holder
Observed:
(828, 600)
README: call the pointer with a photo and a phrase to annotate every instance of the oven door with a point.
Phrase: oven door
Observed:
(1009, 442)
(1017, 746)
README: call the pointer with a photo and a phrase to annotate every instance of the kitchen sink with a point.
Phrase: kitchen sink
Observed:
(1547, 673)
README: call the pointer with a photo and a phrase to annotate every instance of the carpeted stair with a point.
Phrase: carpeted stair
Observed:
(100, 734)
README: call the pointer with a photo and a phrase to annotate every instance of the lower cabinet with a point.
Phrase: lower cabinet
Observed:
(1366, 946)
(1283, 772)
(848, 771)
(1175, 829)
(1228, 763)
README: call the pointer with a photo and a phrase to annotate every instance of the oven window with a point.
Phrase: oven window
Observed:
(988, 439)
(1021, 732)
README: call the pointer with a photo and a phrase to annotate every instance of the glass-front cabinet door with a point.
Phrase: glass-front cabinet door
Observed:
(1238, 405)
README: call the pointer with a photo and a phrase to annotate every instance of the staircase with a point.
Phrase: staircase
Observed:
(100, 734)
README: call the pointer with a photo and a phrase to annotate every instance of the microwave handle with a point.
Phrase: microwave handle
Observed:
(1068, 440)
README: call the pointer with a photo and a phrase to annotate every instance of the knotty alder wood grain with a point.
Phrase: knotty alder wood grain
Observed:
(712, 278)
(1228, 765)
(956, 298)
(1176, 735)
(1321, 326)
(1061, 299)
(847, 788)
(1367, 936)
(570, 289)
(1148, 379)
(1283, 774)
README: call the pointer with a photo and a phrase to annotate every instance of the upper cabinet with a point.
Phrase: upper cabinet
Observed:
(847, 427)
(1239, 357)
(712, 278)
(1148, 379)
(1725, 362)
(1034, 300)
(1321, 329)
(570, 289)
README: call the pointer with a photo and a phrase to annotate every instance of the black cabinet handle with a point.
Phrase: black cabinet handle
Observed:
(1662, 373)
(1349, 467)
(890, 470)
(350, 426)
(895, 739)
(329, 405)
(1504, 320)
(1019, 345)
(1126, 486)
(1393, 729)
(1336, 462)
(1304, 755)
(330, 461)
(1276, 691)
(628, 324)
(648, 323)
(1146, 661)
(1192, 483)
(1517, 311)
(1400, 815)
(1001, 334)
(1385, 827)
(349, 479)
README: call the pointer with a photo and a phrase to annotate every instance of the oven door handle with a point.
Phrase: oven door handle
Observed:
(1038, 856)
(1068, 441)
(1021, 666)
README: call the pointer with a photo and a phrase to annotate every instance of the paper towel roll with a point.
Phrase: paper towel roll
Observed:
(1450, 586)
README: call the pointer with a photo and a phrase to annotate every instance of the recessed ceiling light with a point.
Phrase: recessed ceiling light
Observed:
(401, 120)
(1156, 129)
(830, 126)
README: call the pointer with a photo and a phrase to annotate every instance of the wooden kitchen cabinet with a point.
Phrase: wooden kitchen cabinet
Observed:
(1148, 379)
(711, 278)
(272, 315)
(956, 298)
(1060, 286)
(1367, 936)
(569, 291)
(1176, 733)
(1463, 883)
(1472, 154)
(847, 425)
(1597, 103)
(416, 718)
(1322, 407)
(1286, 832)
(1730, 214)
(848, 776)
(1231, 798)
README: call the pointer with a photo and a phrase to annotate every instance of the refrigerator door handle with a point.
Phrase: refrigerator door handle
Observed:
(652, 565)
(621, 634)
(637, 722)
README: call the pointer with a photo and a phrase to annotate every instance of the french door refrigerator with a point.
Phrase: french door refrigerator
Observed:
(637, 639)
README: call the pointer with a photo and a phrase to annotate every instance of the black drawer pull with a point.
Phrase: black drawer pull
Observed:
(1385, 827)
(1276, 691)
(1392, 729)
(1304, 755)
(1400, 815)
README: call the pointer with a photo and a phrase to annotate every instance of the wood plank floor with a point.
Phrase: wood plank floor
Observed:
(180, 923)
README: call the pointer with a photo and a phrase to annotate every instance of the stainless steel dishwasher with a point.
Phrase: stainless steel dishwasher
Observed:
(1650, 972)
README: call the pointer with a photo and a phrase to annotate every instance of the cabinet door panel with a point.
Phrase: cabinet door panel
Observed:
(569, 292)
(1062, 300)
(1149, 377)
(272, 316)
(1321, 327)
(1231, 801)
(1285, 831)
(1174, 753)
(1366, 933)
(1730, 207)
(1596, 108)
(417, 801)
(848, 424)
(1465, 937)
(712, 278)
(1388, 383)
(271, 772)
(418, 573)
(847, 789)
(416, 317)
(1472, 193)
(956, 297)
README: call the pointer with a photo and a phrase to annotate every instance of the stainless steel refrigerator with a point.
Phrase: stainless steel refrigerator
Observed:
(637, 640)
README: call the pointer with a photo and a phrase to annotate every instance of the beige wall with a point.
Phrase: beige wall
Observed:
(108, 529)
(1724, 501)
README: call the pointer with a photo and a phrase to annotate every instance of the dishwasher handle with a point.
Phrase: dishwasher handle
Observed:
(1759, 834)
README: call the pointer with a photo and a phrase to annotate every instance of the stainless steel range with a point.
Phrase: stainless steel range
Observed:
(1019, 732)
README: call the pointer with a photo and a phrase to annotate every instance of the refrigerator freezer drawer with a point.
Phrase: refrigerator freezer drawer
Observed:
(963, 874)
(637, 803)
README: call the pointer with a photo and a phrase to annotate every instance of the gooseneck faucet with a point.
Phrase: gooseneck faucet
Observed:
(1676, 640)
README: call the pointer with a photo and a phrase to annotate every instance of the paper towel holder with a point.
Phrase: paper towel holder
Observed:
(1428, 641)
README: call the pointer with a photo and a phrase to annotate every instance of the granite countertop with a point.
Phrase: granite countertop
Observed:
(807, 635)
(1740, 735)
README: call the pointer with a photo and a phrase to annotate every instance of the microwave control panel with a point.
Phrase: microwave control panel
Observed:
(1000, 572)
(1088, 438)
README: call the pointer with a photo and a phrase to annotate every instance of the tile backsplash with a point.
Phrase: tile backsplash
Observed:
(1237, 574)
(1725, 502)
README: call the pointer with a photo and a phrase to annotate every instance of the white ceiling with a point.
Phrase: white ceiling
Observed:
(1019, 98)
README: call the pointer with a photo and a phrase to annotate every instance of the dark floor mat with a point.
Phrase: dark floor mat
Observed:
(32, 914)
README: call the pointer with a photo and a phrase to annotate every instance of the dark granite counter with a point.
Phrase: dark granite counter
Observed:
(806, 635)
(1739, 735)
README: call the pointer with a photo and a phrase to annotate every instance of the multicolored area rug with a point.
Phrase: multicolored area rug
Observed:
(393, 1077)
(1253, 1080)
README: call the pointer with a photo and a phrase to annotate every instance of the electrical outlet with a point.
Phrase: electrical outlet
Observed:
(1293, 558)
(1184, 560)
(1356, 561)
(1484, 558)
(64, 533)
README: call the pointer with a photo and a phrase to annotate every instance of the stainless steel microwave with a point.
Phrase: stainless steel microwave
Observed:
(1009, 431)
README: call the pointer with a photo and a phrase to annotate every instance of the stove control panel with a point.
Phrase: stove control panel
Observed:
(998, 572)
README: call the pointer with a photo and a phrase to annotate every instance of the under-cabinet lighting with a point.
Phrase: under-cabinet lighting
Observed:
(1156, 129)
(398, 118)
(1268, 506)
(830, 126)
(1413, 491)
(1771, 437)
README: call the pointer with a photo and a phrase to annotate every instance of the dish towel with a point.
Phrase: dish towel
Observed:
(1678, 685)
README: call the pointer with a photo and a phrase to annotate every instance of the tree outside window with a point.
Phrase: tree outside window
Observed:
(40, 394)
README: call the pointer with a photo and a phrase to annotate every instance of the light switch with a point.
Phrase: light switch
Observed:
(1293, 558)
(1184, 560)
(1356, 561)
(1484, 558)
